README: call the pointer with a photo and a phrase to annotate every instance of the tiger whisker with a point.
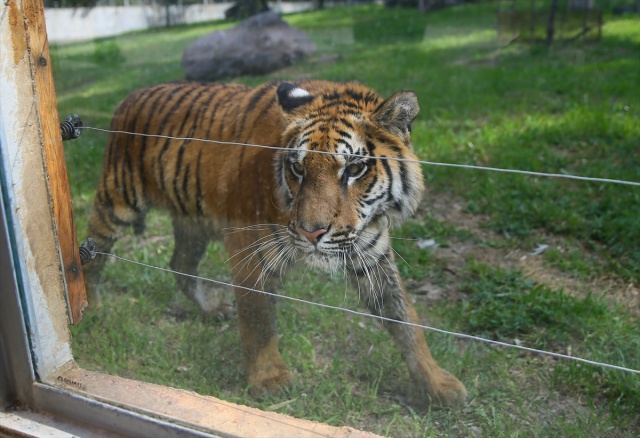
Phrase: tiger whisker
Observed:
(390, 246)
(257, 249)
(253, 245)
(271, 243)
(365, 268)
(273, 256)
(410, 239)
(256, 227)
(387, 260)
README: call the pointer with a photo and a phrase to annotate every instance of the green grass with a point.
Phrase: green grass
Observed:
(571, 108)
(504, 306)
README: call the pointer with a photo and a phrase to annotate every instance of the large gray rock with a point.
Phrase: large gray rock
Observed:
(261, 44)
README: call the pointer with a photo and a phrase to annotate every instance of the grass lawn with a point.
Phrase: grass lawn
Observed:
(572, 108)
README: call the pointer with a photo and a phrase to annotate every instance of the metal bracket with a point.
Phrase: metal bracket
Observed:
(71, 127)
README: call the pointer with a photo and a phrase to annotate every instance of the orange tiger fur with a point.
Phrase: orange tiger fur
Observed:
(332, 212)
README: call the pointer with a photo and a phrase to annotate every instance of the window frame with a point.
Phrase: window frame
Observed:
(40, 269)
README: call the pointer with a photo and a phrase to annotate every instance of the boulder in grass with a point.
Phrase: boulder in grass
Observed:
(260, 44)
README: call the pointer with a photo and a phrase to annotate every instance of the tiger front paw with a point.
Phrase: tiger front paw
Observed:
(447, 390)
(269, 374)
(272, 382)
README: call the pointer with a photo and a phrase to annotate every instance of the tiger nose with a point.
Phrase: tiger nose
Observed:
(313, 236)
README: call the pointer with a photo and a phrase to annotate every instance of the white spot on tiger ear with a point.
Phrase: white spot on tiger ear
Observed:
(298, 92)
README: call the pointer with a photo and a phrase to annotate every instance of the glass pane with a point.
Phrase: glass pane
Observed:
(531, 261)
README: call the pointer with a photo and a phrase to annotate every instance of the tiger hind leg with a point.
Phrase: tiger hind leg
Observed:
(108, 220)
(191, 240)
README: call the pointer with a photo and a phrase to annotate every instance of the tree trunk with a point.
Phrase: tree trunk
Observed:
(552, 19)
(246, 8)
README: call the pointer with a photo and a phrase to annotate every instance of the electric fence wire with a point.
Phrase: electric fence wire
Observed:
(368, 315)
(407, 160)
(381, 318)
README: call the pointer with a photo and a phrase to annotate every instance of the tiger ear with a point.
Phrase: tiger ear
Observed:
(291, 97)
(397, 112)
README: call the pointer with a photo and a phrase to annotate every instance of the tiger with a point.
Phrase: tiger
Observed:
(336, 171)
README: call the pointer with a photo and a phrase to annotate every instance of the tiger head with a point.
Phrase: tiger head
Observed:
(347, 173)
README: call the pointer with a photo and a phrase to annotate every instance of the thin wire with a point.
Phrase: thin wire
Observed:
(368, 315)
(406, 160)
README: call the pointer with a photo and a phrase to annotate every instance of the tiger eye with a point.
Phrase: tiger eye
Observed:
(354, 169)
(297, 168)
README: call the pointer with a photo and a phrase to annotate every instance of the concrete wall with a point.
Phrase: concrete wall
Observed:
(77, 24)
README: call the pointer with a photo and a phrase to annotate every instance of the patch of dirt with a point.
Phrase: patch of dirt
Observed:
(455, 257)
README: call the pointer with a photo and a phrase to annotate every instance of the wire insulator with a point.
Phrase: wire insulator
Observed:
(87, 250)
(70, 128)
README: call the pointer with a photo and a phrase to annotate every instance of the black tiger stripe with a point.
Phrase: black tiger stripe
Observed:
(104, 222)
(253, 103)
(370, 98)
(115, 165)
(343, 104)
(199, 194)
(165, 147)
(371, 243)
(128, 186)
(264, 111)
(331, 96)
(372, 184)
(200, 115)
(158, 93)
(375, 199)
(230, 95)
(345, 122)
(387, 169)
(185, 182)
(356, 95)
(404, 177)
(159, 168)
(176, 191)
(312, 124)
(111, 218)
(211, 112)
(346, 144)
(187, 116)
(202, 95)
(402, 169)
(198, 120)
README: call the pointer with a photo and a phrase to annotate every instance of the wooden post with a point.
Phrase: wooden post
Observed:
(47, 114)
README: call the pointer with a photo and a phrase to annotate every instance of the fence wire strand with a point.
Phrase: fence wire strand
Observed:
(369, 315)
(427, 163)
(381, 318)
